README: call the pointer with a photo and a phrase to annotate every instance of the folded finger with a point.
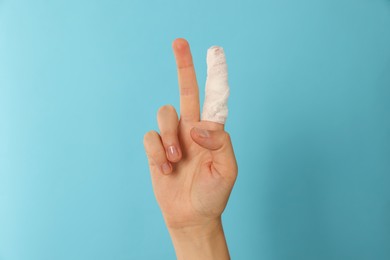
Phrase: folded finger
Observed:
(156, 152)
(168, 124)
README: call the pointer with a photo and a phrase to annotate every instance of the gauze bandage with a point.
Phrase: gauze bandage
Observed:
(217, 88)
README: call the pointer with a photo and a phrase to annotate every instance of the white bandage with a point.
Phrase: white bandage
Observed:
(217, 88)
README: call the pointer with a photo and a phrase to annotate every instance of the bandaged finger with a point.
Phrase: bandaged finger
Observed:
(217, 88)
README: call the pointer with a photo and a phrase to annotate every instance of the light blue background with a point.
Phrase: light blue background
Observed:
(81, 81)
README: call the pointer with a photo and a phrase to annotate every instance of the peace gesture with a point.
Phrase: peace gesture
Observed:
(192, 163)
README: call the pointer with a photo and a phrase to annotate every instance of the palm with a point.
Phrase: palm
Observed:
(195, 191)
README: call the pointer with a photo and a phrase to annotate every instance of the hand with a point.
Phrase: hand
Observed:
(192, 165)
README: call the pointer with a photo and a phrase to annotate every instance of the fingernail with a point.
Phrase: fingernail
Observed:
(202, 133)
(166, 168)
(172, 152)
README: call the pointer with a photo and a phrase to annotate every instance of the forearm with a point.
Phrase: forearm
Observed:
(206, 242)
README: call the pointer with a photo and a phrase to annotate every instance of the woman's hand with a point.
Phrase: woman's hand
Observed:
(193, 169)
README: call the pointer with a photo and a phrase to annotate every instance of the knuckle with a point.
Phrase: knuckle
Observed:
(187, 91)
(184, 117)
(235, 169)
(166, 109)
(227, 137)
(158, 156)
(169, 135)
(150, 136)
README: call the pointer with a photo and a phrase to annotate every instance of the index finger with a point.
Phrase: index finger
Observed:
(189, 92)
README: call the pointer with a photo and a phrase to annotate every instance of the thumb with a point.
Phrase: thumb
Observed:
(219, 144)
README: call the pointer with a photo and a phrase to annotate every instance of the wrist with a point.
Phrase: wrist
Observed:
(201, 241)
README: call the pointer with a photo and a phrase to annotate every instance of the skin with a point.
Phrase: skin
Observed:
(193, 169)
